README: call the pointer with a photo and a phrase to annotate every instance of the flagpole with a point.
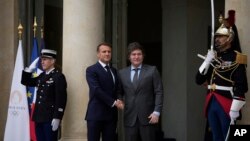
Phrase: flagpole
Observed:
(20, 30)
(42, 28)
(32, 90)
(34, 27)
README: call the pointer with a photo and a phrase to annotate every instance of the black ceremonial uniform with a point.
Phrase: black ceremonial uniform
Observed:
(51, 95)
(227, 82)
(231, 73)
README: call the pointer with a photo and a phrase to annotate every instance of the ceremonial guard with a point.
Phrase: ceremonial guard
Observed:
(223, 72)
(51, 96)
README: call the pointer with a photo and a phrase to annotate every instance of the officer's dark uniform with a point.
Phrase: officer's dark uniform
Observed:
(50, 101)
(230, 74)
(51, 95)
(226, 81)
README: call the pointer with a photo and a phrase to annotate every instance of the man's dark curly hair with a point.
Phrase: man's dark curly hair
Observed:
(135, 46)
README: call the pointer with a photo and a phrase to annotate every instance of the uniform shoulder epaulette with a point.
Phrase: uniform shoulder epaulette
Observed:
(241, 58)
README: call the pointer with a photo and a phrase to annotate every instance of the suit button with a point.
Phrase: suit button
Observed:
(41, 90)
(40, 96)
(39, 102)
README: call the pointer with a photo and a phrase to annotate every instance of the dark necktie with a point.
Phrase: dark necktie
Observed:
(135, 78)
(109, 73)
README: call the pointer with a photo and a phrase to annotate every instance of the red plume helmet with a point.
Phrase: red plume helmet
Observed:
(231, 23)
(231, 17)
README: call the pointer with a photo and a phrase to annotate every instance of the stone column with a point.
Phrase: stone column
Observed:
(8, 50)
(83, 30)
(242, 23)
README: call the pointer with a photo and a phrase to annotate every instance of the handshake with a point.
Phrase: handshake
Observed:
(119, 104)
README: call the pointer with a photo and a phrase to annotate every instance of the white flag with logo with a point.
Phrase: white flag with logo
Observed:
(17, 125)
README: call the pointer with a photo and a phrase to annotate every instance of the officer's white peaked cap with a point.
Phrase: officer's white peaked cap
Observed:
(48, 53)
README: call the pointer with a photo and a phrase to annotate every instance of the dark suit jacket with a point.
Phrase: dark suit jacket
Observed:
(102, 93)
(51, 95)
(146, 98)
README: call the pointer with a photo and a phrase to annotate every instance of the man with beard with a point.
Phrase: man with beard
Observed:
(224, 70)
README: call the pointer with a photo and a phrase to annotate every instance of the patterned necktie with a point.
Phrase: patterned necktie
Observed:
(109, 73)
(135, 78)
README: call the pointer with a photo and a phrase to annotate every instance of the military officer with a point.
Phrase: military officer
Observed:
(224, 73)
(51, 95)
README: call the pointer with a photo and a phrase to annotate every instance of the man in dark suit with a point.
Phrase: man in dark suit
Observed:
(101, 113)
(143, 94)
(51, 96)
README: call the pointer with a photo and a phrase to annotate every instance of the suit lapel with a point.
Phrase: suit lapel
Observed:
(100, 67)
(127, 76)
(114, 73)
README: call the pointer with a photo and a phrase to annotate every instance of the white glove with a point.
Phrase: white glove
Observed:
(210, 56)
(234, 114)
(55, 124)
(235, 108)
(32, 65)
(205, 65)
